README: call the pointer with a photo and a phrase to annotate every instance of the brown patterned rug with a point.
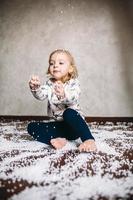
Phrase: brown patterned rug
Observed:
(30, 170)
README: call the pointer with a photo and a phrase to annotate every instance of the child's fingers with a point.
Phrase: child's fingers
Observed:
(56, 92)
(31, 79)
(34, 82)
(59, 87)
(58, 83)
(31, 85)
(34, 77)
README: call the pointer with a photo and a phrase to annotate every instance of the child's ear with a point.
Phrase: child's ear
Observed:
(70, 69)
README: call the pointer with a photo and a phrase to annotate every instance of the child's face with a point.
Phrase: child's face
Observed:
(59, 65)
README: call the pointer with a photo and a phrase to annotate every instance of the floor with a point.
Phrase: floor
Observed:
(32, 170)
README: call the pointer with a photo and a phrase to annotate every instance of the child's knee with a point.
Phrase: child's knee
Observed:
(69, 113)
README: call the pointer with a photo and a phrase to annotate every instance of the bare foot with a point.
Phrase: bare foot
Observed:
(88, 145)
(58, 143)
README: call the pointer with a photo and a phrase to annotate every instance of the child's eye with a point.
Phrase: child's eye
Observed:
(61, 63)
(51, 64)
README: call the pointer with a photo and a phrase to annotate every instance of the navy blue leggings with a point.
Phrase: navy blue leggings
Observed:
(72, 127)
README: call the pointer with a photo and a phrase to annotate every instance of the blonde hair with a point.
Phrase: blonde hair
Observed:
(73, 73)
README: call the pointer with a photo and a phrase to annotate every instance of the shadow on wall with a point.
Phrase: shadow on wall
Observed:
(123, 27)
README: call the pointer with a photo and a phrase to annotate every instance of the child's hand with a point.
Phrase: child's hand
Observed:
(59, 90)
(34, 82)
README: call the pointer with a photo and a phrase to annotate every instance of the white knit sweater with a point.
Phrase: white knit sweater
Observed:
(57, 106)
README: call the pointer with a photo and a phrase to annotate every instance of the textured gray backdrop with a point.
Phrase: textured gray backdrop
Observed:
(98, 33)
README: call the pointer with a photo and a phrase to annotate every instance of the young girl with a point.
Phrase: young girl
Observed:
(62, 91)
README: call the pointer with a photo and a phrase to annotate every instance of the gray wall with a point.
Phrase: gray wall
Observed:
(98, 33)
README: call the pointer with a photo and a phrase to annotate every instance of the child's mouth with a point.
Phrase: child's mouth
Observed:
(56, 71)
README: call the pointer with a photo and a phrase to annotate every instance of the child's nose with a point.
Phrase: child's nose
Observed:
(56, 65)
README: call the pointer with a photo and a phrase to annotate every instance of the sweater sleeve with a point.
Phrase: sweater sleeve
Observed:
(41, 93)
